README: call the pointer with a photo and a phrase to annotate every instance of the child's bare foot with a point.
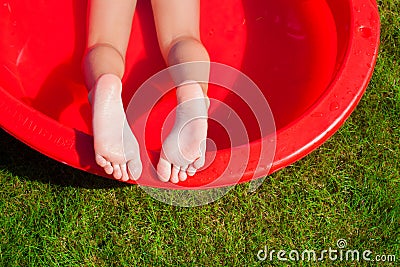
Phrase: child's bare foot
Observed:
(183, 151)
(116, 148)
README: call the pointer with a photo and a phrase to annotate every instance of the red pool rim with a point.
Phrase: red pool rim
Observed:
(31, 126)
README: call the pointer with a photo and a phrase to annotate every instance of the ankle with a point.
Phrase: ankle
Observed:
(109, 82)
(189, 90)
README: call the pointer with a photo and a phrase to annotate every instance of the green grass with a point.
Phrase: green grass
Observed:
(53, 215)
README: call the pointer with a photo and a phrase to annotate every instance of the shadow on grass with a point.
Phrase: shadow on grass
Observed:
(26, 163)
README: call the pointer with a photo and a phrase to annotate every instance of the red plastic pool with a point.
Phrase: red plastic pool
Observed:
(312, 60)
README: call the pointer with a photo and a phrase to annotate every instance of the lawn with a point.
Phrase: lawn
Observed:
(349, 188)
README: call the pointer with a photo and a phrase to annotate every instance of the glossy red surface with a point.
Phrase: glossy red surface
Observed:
(312, 60)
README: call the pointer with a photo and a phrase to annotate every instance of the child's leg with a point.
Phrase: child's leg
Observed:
(177, 24)
(109, 26)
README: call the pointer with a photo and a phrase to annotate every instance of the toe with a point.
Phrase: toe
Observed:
(191, 170)
(174, 174)
(163, 170)
(101, 161)
(134, 169)
(117, 171)
(125, 176)
(108, 168)
(182, 176)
